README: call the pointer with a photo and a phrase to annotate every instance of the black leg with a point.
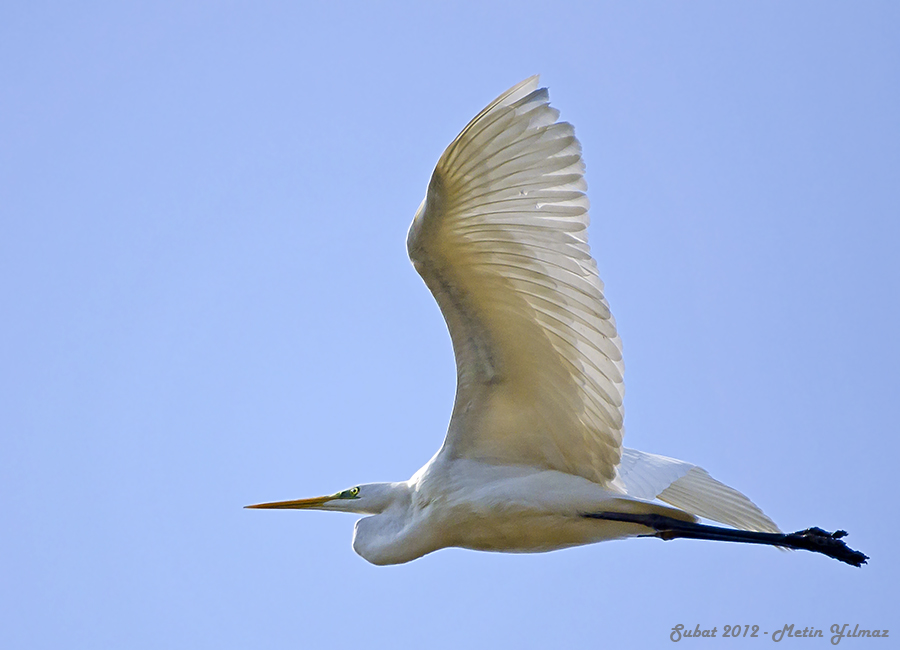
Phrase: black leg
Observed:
(811, 539)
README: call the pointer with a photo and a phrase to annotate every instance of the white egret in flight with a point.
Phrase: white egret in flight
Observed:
(533, 457)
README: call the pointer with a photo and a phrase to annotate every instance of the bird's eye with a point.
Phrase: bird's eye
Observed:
(349, 494)
(354, 491)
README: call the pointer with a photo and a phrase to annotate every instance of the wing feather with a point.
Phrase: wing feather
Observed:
(689, 488)
(501, 242)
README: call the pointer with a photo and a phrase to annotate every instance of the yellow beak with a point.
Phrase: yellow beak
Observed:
(298, 504)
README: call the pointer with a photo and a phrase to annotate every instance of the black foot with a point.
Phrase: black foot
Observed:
(811, 539)
(830, 544)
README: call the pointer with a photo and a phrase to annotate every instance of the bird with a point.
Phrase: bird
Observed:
(533, 459)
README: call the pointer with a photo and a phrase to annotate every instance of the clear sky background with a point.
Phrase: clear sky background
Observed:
(206, 303)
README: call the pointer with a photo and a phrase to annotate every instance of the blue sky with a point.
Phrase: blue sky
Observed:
(207, 303)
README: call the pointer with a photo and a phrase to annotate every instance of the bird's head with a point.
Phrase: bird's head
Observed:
(376, 538)
(367, 499)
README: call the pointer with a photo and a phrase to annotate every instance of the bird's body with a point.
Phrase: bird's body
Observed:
(533, 458)
(485, 507)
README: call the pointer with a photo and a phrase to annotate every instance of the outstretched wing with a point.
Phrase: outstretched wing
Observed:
(501, 242)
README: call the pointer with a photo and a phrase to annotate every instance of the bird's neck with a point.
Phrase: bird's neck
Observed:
(397, 534)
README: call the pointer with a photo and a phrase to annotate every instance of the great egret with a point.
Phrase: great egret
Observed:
(533, 457)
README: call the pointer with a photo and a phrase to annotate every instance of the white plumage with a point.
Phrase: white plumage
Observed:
(501, 241)
(533, 457)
